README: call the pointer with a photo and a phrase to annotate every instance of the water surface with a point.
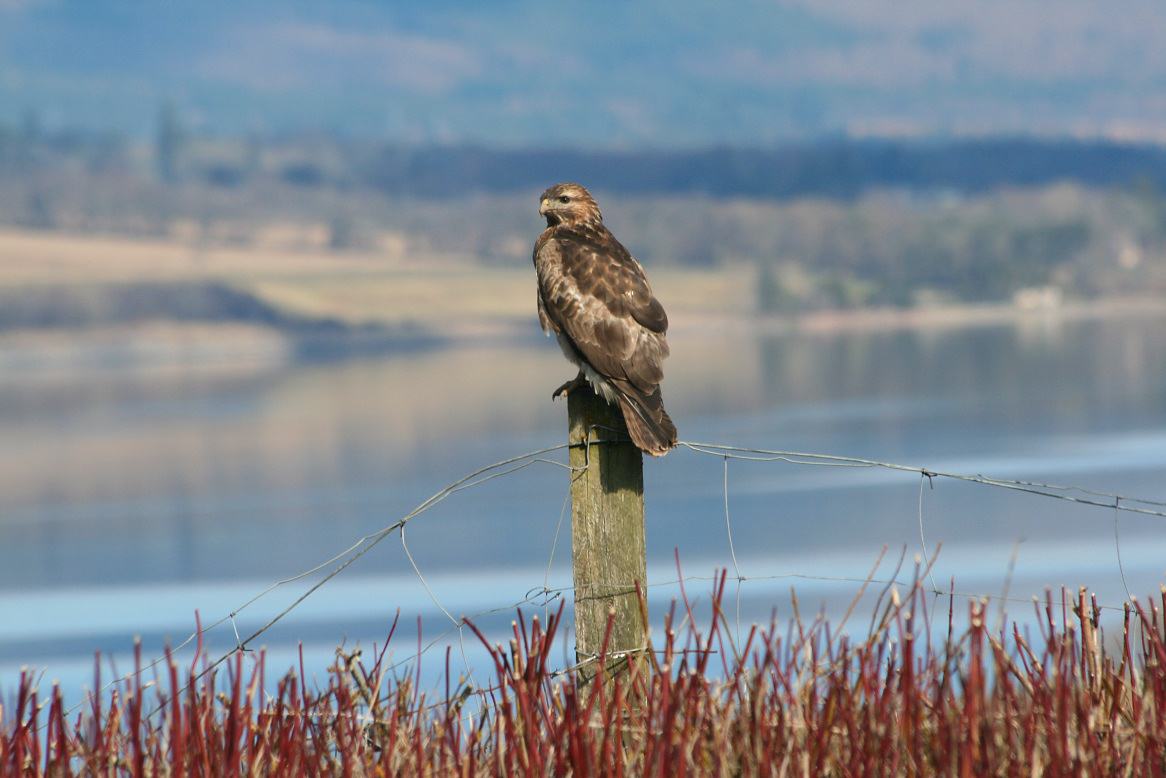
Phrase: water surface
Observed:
(132, 497)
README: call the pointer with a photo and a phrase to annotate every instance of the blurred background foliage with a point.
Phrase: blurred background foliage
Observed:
(826, 225)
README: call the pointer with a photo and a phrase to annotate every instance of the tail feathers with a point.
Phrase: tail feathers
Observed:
(648, 423)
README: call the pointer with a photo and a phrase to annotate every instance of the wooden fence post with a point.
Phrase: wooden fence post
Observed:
(607, 532)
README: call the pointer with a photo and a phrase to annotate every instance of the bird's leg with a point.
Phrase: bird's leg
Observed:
(570, 386)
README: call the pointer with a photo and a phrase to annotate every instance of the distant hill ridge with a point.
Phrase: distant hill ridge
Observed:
(843, 168)
(838, 167)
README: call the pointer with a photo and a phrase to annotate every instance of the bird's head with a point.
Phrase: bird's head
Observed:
(569, 204)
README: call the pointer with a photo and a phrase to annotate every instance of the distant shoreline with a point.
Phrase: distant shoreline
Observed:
(177, 344)
(68, 298)
(937, 317)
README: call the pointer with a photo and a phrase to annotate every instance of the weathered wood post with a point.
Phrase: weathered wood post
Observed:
(607, 532)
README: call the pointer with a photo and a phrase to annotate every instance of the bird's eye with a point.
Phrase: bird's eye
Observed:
(564, 199)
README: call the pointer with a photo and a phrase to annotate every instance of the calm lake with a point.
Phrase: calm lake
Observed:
(133, 496)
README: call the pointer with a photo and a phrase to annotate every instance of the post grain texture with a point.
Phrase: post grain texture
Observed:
(607, 532)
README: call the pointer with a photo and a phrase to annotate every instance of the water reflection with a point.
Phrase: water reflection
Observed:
(1072, 377)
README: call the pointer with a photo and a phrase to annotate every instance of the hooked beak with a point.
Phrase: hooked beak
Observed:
(544, 206)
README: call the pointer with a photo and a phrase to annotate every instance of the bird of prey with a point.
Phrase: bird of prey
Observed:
(593, 295)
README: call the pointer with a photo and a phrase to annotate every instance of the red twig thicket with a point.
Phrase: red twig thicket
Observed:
(910, 698)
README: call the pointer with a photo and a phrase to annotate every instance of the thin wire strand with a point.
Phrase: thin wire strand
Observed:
(1000, 616)
(1029, 487)
(732, 550)
(922, 538)
(555, 543)
(1117, 549)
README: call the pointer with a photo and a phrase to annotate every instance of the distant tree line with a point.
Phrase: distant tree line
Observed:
(823, 225)
(835, 168)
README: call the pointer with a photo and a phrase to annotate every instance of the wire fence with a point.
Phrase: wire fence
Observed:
(543, 595)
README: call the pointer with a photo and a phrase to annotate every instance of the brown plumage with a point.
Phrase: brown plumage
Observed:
(593, 295)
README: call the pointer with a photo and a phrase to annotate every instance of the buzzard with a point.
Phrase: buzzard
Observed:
(593, 295)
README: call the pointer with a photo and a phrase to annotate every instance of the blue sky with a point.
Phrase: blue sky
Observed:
(594, 74)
